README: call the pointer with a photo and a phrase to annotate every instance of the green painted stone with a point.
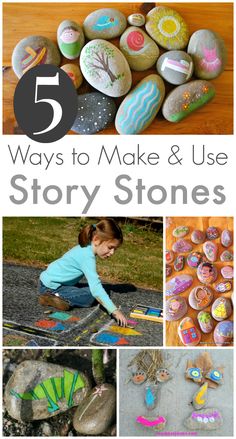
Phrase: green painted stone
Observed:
(70, 39)
(185, 99)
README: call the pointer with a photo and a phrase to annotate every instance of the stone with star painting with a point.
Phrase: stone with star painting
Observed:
(97, 412)
(209, 54)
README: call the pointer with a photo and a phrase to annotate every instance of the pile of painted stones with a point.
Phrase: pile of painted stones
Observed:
(108, 69)
(201, 296)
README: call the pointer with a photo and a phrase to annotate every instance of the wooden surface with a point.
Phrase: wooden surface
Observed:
(201, 223)
(23, 19)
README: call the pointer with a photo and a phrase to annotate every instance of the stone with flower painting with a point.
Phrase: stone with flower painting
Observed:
(139, 49)
(187, 98)
(105, 68)
(205, 321)
(70, 39)
(97, 412)
(209, 54)
(104, 23)
(175, 66)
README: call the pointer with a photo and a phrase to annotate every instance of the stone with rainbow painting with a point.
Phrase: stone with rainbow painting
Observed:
(208, 52)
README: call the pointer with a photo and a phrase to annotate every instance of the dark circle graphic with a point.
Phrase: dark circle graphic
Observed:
(45, 103)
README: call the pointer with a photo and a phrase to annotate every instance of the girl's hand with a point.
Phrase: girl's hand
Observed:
(120, 318)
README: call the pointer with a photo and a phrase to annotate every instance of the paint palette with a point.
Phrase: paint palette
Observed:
(147, 313)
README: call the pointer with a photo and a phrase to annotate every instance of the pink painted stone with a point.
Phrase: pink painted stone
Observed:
(182, 246)
(205, 322)
(212, 233)
(168, 270)
(188, 333)
(226, 256)
(224, 286)
(207, 273)
(169, 256)
(226, 238)
(194, 259)
(198, 236)
(180, 232)
(210, 249)
(178, 284)
(221, 309)
(200, 297)
(227, 272)
(176, 308)
(224, 333)
(179, 263)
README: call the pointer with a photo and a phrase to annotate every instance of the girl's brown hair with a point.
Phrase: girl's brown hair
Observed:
(105, 230)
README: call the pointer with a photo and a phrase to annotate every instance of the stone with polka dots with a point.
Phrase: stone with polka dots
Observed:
(95, 112)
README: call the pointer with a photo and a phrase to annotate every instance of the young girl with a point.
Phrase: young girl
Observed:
(59, 282)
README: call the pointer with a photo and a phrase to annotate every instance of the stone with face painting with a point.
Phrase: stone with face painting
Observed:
(70, 39)
(176, 308)
(200, 297)
(207, 273)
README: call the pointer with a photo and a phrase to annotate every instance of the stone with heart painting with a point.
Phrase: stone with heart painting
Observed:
(139, 49)
(209, 54)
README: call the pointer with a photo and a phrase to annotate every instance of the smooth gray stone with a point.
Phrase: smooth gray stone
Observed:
(97, 411)
(29, 376)
(70, 39)
(139, 49)
(208, 52)
(175, 66)
(95, 112)
(104, 23)
(200, 397)
(33, 51)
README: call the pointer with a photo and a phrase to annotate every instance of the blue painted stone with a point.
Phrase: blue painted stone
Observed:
(104, 23)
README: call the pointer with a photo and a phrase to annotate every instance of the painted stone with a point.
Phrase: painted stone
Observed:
(97, 411)
(194, 373)
(200, 297)
(179, 263)
(186, 98)
(33, 51)
(215, 375)
(182, 246)
(169, 256)
(175, 66)
(176, 308)
(178, 284)
(70, 39)
(198, 236)
(94, 113)
(209, 55)
(73, 71)
(207, 273)
(210, 249)
(141, 105)
(167, 28)
(212, 233)
(194, 259)
(221, 309)
(205, 322)
(157, 424)
(138, 48)
(163, 375)
(105, 68)
(104, 23)
(224, 333)
(223, 287)
(188, 332)
(226, 238)
(138, 377)
(150, 396)
(226, 256)
(39, 390)
(180, 232)
(227, 272)
(136, 19)
(168, 270)
(205, 419)
(200, 397)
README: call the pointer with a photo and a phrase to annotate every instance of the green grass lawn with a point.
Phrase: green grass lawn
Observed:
(40, 240)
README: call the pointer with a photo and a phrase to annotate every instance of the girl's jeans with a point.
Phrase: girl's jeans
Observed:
(75, 295)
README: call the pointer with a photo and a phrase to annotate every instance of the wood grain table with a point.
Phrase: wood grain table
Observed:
(201, 223)
(23, 19)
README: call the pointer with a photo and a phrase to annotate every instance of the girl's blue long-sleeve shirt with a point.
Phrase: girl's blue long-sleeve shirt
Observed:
(71, 267)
